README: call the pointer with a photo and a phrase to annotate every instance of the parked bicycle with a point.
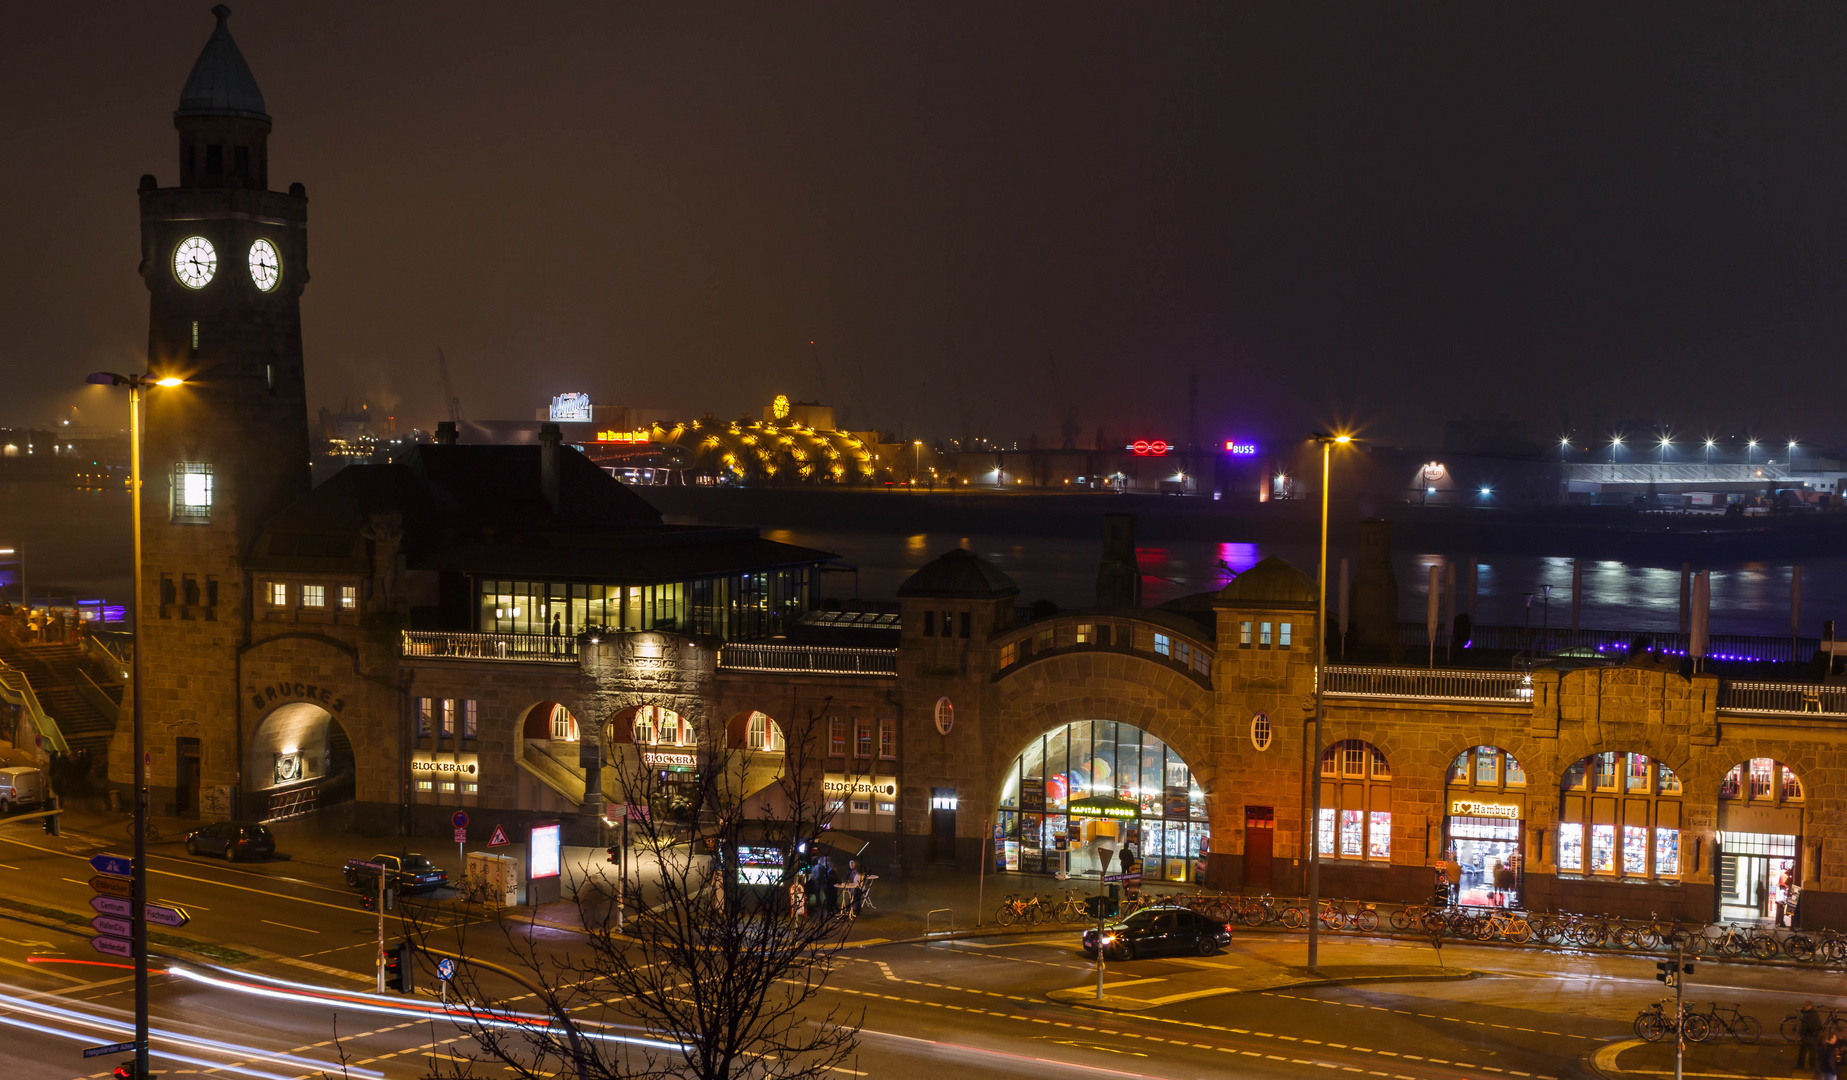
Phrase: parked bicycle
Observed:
(1506, 925)
(1655, 1023)
(1744, 1029)
(1832, 1021)
(1735, 940)
(1258, 911)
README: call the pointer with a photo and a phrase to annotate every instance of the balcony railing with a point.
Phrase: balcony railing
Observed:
(1534, 639)
(812, 659)
(1430, 684)
(1783, 699)
(462, 645)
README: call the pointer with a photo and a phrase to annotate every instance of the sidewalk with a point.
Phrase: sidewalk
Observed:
(1770, 1057)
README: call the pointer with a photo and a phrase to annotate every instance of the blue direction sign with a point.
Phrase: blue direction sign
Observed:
(112, 1048)
(459, 819)
(115, 865)
(113, 905)
(445, 968)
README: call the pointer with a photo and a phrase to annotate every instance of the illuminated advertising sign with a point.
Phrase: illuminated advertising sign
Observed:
(622, 436)
(542, 853)
(1465, 808)
(1145, 448)
(662, 759)
(1240, 449)
(572, 407)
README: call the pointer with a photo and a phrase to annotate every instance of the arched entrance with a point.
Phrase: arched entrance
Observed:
(1033, 833)
(1483, 822)
(1760, 840)
(296, 761)
(667, 749)
(1620, 818)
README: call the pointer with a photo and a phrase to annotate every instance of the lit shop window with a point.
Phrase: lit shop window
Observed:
(192, 493)
(349, 597)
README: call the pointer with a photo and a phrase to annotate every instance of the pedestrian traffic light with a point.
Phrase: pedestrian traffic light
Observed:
(1664, 972)
(615, 854)
(399, 967)
(126, 1071)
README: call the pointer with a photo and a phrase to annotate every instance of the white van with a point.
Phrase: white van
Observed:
(21, 787)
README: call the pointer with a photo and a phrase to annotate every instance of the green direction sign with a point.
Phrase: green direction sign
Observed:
(1105, 806)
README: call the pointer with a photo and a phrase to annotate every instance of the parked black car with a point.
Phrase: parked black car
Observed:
(1155, 930)
(233, 839)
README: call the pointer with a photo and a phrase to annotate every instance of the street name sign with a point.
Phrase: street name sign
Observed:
(114, 865)
(113, 946)
(113, 905)
(107, 924)
(112, 886)
(112, 1048)
(165, 916)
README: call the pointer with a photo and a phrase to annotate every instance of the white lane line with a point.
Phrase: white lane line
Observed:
(287, 926)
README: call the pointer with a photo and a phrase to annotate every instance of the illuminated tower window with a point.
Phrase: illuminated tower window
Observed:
(192, 492)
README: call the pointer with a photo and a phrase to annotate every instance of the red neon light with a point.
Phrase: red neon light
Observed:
(1146, 448)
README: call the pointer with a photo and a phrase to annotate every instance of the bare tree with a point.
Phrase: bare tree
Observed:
(715, 971)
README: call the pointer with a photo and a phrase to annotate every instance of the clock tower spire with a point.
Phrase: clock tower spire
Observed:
(224, 260)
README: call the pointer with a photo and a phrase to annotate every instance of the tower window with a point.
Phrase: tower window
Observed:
(214, 160)
(241, 161)
(192, 493)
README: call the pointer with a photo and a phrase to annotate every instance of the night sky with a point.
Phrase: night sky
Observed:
(1386, 214)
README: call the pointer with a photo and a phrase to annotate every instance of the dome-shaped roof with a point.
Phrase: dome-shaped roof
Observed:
(221, 83)
(1271, 583)
(959, 573)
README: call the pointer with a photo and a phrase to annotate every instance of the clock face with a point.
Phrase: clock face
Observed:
(194, 262)
(265, 265)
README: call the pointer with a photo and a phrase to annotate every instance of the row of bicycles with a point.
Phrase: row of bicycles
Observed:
(1653, 934)
(1659, 1021)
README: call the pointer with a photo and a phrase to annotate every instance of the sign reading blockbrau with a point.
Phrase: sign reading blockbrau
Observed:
(669, 759)
(297, 691)
(424, 763)
(842, 784)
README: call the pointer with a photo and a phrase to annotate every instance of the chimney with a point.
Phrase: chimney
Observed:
(1119, 577)
(549, 438)
(445, 433)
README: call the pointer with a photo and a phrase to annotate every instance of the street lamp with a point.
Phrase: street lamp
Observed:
(1792, 457)
(1313, 824)
(1665, 443)
(1709, 445)
(138, 914)
(1615, 441)
(1750, 451)
(1564, 444)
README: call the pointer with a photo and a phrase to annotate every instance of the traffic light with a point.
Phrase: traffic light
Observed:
(399, 967)
(1665, 973)
(615, 854)
(126, 1071)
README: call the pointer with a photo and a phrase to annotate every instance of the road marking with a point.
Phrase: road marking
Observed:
(43, 971)
(287, 926)
(185, 877)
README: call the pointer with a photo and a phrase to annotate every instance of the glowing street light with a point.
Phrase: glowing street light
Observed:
(1311, 823)
(135, 384)
(1665, 443)
(1616, 441)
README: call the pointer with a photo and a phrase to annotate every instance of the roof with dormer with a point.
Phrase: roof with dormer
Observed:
(221, 83)
(959, 574)
(1272, 583)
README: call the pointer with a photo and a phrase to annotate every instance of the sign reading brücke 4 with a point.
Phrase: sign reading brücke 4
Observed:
(297, 691)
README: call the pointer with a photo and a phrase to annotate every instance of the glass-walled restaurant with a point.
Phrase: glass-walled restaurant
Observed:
(1034, 833)
(733, 607)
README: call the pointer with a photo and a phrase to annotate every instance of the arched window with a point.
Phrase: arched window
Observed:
(1761, 780)
(1356, 802)
(1484, 806)
(655, 726)
(564, 725)
(764, 734)
(1620, 817)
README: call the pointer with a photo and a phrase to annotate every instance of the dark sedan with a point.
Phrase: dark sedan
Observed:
(233, 839)
(1156, 930)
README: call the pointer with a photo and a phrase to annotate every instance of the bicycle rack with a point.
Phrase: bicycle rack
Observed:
(951, 921)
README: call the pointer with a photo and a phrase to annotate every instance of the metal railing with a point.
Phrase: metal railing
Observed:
(1430, 684)
(463, 645)
(1782, 699)
(1533, 639)
(814, 659)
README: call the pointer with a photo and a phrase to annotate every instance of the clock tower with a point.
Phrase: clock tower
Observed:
(225, 260)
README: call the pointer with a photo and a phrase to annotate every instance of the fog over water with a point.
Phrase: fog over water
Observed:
(77, 544)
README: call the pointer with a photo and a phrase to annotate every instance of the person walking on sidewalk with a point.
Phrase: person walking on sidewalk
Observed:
(1808, 1035)
(1828, 1061)
(828, 881)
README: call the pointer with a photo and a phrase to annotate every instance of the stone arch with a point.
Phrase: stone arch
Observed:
(297, 759)
(540, 723)
(646, 724)
(1622, 816)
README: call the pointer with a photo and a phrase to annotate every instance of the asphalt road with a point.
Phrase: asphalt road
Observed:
(977, 1007)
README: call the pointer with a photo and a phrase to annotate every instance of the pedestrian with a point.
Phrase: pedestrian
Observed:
(856, 879)
(1782, 898)
(1828, 1058)
(1808, 1035)
(1763, 898)
(828, 881)
(557, 632)
(1504, 883)
(1794, 906)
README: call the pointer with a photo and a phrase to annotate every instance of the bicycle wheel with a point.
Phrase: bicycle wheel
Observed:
(1747, 1030)
(1698, 1027)
(1294, 918)
(1007, 915)
(1367, 920)
(1650, 1026)
(1253, 915)
(1799, 947)
(1732, 945)
(1765, 947)
(1791, 1030)
(1401, 919)
(1519, 932)
(1587, 935)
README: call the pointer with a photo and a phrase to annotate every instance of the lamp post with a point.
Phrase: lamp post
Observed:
(1615, 441)
(1792, 458)
(138, 915)
(1665, 443)
(1321, 658)
(1750, 452)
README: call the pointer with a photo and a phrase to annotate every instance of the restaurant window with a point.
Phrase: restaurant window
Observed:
(564, 726)
(314, 596)
(470, 788)
(469, 719)
(862, 738)
(426, 785)
(836, 736)
(426, 709)
(448, 707)
(888, 740)
(655, 726)
(764, 734)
